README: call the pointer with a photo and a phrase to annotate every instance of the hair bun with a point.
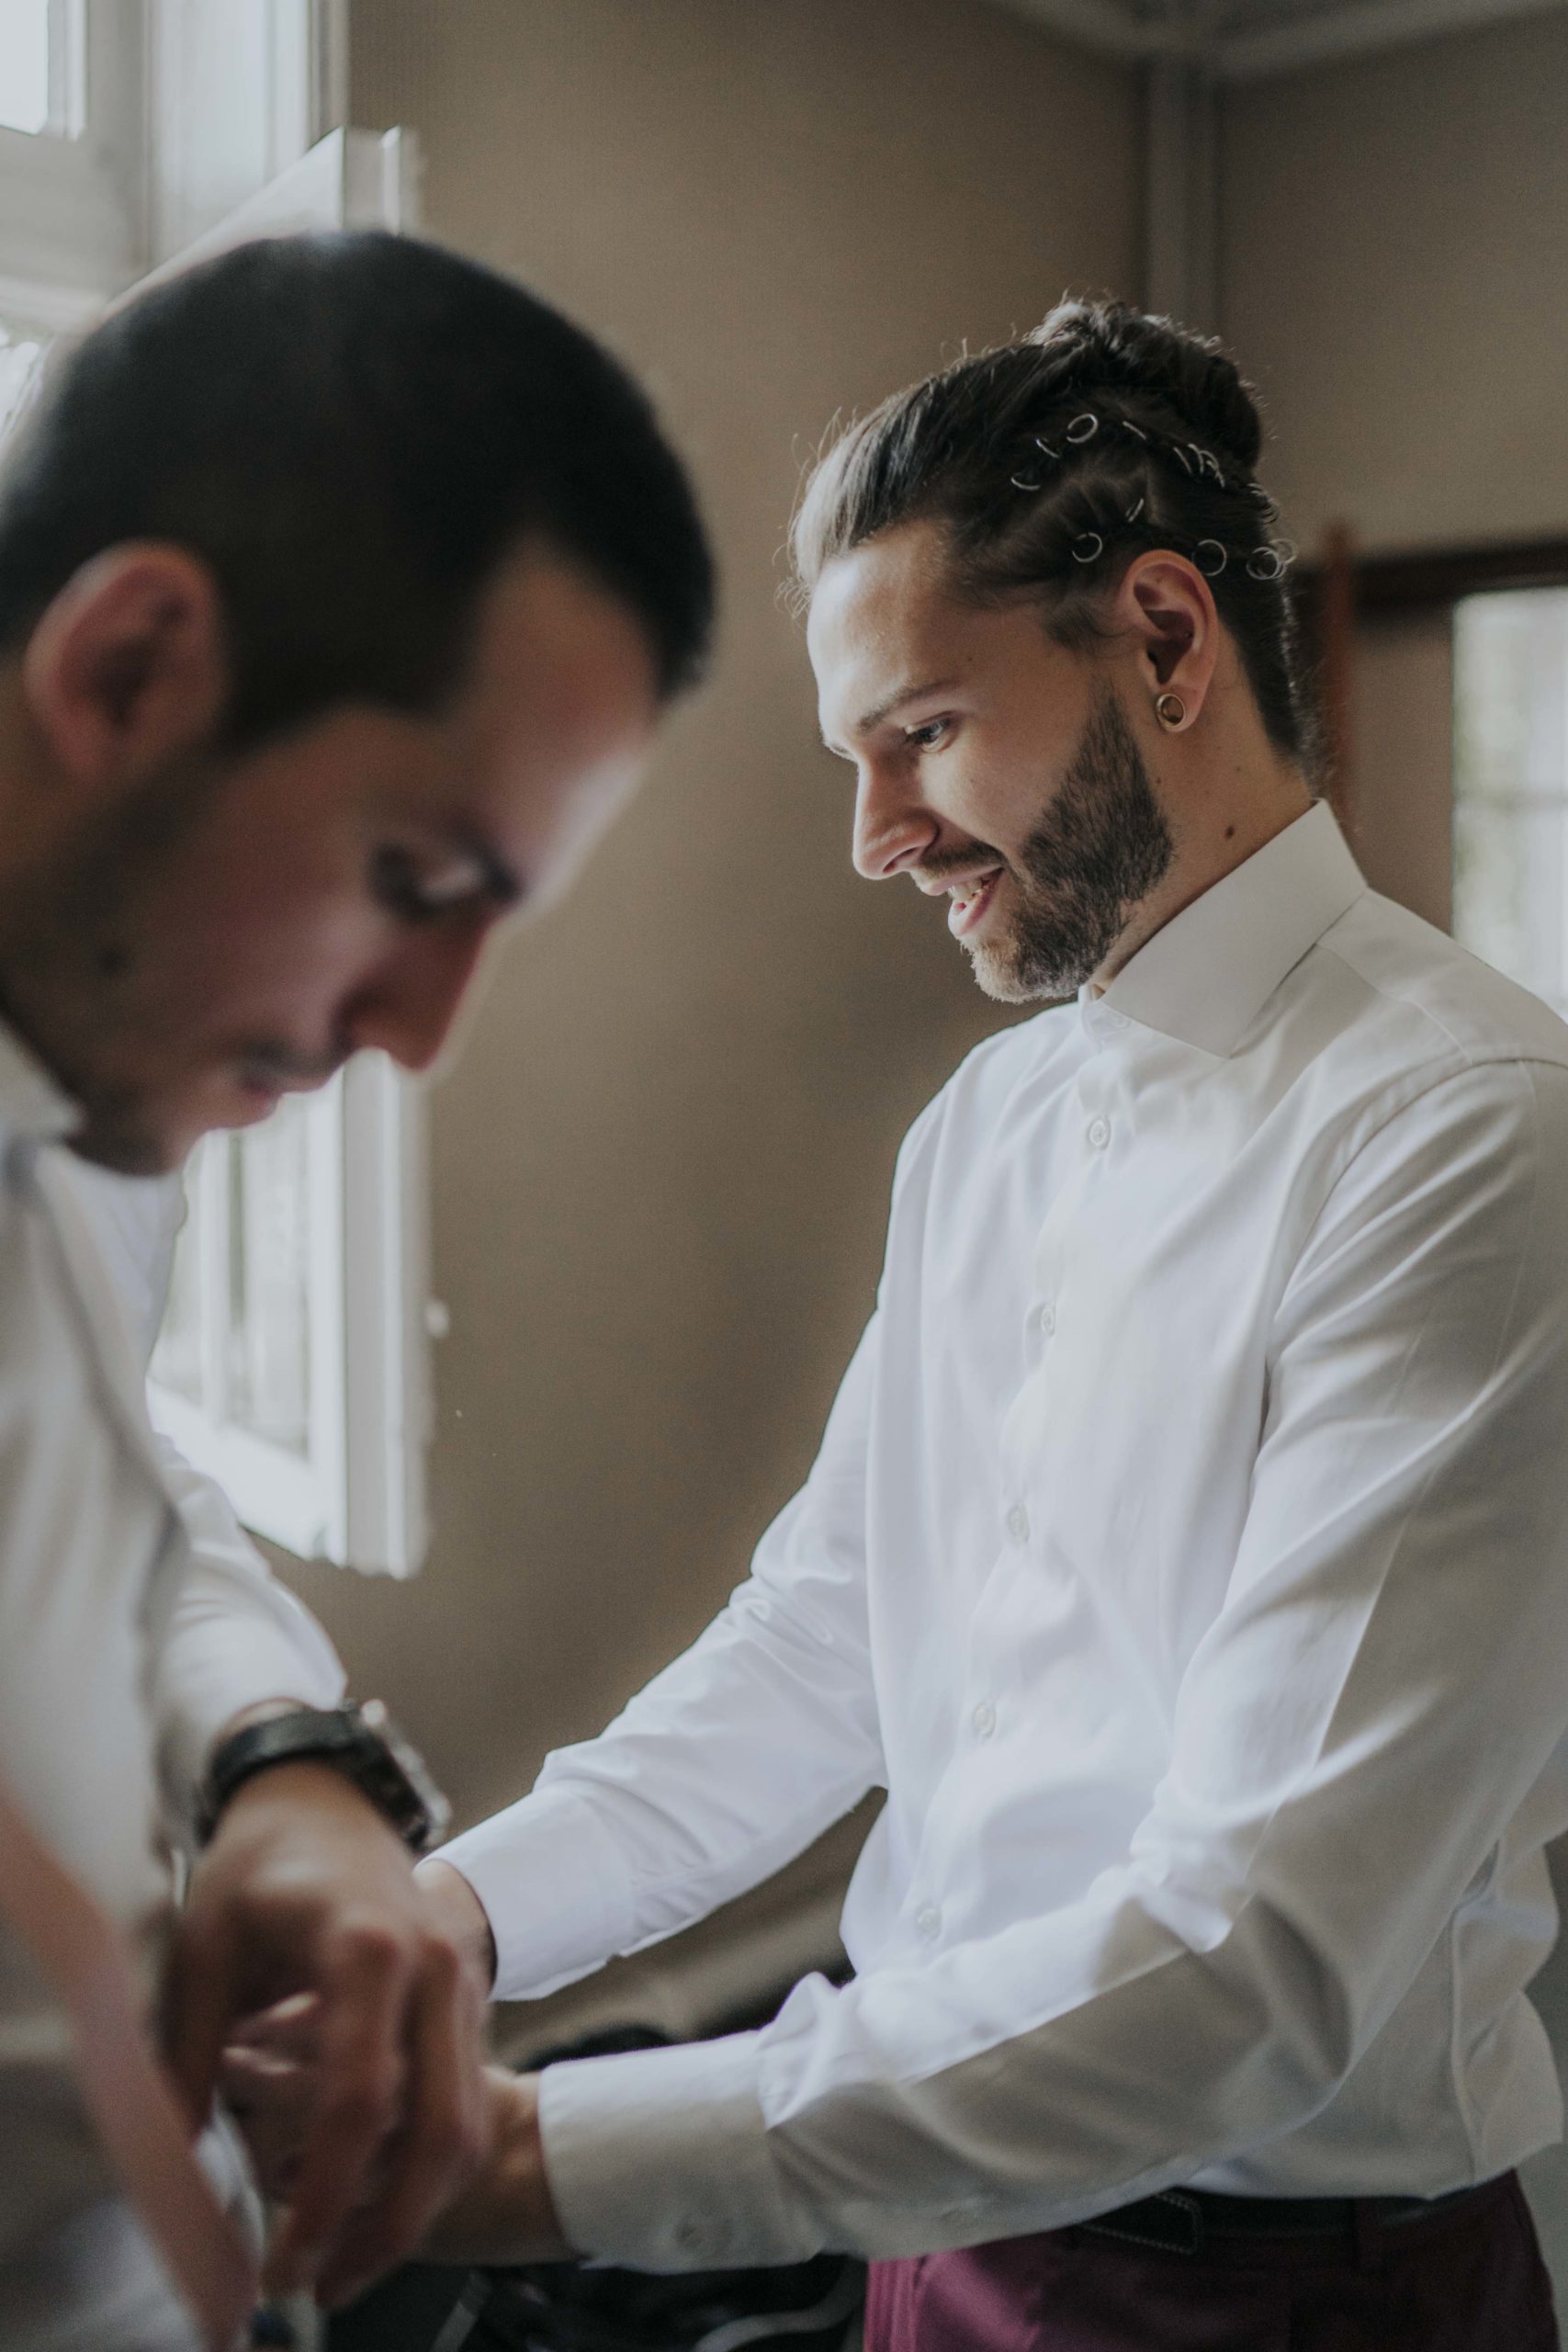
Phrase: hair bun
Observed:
(1110, 347)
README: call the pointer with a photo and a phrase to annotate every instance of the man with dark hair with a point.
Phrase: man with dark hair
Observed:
(341, 586)
(1185, 1554)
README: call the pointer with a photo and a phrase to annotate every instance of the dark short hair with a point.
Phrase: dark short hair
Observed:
(353, 432)
(1050, 464)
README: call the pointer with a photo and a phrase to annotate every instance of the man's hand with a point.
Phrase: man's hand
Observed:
(306, 1891)
(503, 2215)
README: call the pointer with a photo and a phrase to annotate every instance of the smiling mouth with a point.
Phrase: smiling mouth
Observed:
(970, 900)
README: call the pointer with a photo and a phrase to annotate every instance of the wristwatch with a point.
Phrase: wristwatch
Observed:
(362, 1743)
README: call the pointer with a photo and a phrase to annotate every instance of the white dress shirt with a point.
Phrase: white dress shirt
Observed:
(135, 1621)
(1187, 1557)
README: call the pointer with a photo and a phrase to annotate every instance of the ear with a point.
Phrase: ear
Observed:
(128, 667)
(1168, 607)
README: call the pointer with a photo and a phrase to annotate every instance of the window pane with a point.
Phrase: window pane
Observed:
(269, 1267)
(21, 353)
(1511, 785)
(24, 65)
(177, 1359)
(235, 1336)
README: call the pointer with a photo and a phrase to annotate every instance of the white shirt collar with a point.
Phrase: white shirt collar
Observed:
(1206, 977)
(32, 1106)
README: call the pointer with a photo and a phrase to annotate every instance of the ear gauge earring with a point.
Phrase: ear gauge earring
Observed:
(1171, 712)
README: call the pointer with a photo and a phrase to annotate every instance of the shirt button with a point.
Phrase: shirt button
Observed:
(984, 1719)
(692, 2236)
(1018, 1523)
(1047, 1318)
(1099, 1133)
(928, 1919)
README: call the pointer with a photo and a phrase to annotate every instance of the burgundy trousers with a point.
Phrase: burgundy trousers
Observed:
(1467, 2279)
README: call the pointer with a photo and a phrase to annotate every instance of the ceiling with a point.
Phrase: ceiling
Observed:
(1240, 39)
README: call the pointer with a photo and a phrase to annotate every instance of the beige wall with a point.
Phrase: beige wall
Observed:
(1394, 269)
(660, 1164)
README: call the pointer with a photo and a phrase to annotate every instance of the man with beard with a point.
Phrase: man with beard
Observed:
(342, 585)
(1185, 1555)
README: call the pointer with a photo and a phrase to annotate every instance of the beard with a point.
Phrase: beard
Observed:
(1101, 847)
(72, 966)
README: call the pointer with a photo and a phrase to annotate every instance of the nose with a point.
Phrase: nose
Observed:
(893, 831)
(408, 1007)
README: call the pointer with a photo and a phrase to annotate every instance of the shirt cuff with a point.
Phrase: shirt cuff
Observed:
(659, 2160)
(553, 1887)
(216, 1672)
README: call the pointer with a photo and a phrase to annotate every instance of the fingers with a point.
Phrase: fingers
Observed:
(198, 2007)
(363, 1985)
(443, 2135)
(290, 2030)
(270, 2098)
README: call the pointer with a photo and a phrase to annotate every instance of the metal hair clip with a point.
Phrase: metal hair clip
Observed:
(1079, 437)
(1134, 511)
(1088, 548)
(1135, 430)
(1265, 563)
(1211, 570)
(1025, 482)
(1046, 451)
(1182, 460)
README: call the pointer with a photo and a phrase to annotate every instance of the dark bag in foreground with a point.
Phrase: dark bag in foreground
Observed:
(562, 2307)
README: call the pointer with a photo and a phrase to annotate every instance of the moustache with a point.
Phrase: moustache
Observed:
(943, 863)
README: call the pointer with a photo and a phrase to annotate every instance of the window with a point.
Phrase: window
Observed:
(1510, 816)
(136, 136)
(1456, 787)
(22, 347)
(32, 82)
(291, 1364)
(72, 156)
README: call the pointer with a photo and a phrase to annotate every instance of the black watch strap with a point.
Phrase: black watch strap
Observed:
(362, 1743)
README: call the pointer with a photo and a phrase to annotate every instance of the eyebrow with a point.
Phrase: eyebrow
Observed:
(871, 720)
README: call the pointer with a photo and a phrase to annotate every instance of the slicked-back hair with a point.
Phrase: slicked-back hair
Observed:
(352, 432)
(1049, 464)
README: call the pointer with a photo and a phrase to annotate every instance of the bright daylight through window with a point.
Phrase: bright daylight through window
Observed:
(236, 1337)
(24, 65)
(21, 351)
(1511, 785)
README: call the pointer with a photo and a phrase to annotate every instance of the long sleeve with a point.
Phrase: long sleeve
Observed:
(235, 1635)
(1384, 1685)
(727, 1764)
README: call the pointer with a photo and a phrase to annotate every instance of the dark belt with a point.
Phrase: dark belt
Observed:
(1183, 2221)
